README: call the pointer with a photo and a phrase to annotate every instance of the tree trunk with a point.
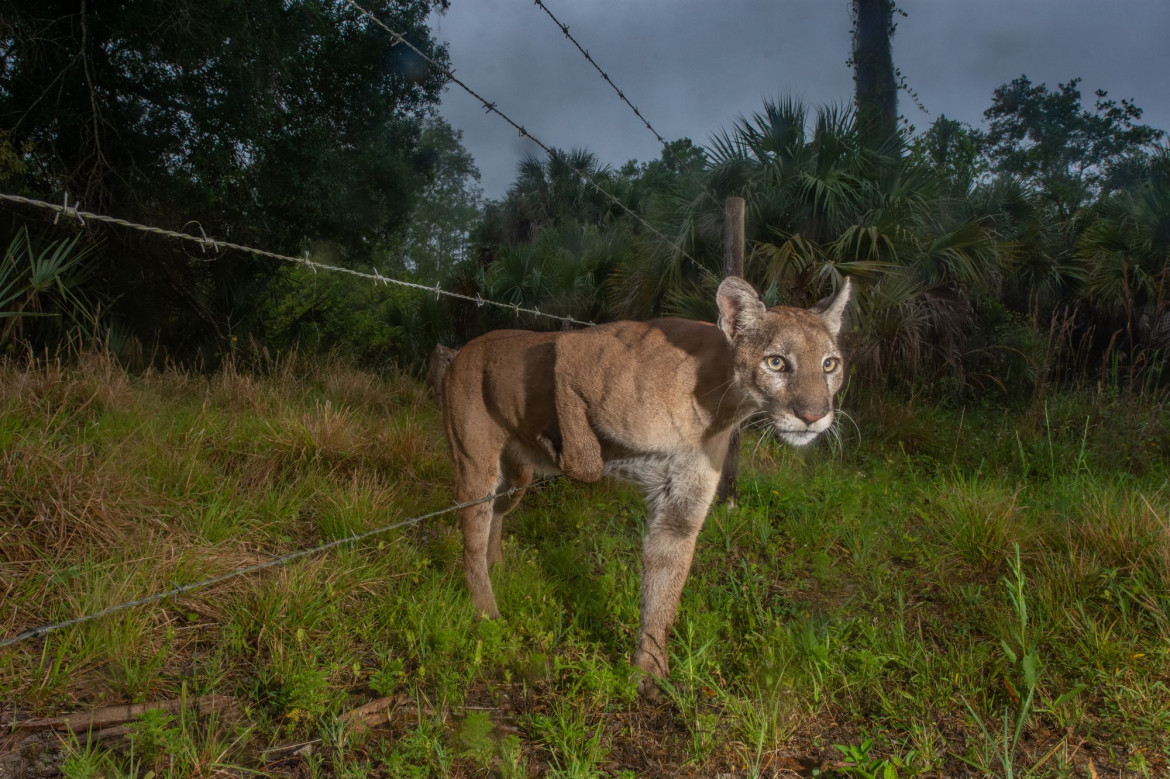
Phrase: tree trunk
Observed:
(733, 246)
(876, 87)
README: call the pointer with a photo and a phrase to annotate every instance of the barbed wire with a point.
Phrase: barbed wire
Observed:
(205, 242)
(668, 154)
(74, 211)
(493, 108)
(271, 563)
(565, 29)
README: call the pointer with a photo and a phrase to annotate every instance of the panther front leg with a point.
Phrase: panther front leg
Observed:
(677, 509)
(580, 456)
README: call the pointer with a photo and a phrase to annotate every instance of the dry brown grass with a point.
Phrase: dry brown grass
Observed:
(1124, 532)
(139, 482)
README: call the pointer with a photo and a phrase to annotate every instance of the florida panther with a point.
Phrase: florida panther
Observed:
(653, 403)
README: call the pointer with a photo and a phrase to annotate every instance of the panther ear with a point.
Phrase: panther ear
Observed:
(446, 354)
(739, 306)
(832, 310)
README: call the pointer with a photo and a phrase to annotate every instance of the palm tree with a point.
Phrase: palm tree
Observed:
(1126, 254)
(548, 191)
(562, 271)
(824, 203)
(44, 284)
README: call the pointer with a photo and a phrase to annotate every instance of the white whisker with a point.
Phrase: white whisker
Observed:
(756, 421)
(852, 421)
(759, 441)
(836, 445)
(727, 385)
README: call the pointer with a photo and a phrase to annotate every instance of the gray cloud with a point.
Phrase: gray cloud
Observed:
(693, 66)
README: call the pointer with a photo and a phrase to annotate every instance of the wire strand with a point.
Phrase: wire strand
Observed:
(215, 244)
(492, 108)
(668, 153)
(565, 29)
(273, 562)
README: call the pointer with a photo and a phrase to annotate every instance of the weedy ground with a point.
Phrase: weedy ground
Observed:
(975, 590)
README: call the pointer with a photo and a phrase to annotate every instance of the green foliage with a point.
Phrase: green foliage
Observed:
(85, 762)
(952, 149)
(475, 738)
(822, 205)
(438, 236)
(1022, 652)
(387, 678)
(48, 281)
(860, 763)
(552, 191)
(561, 272)
(1126, 243)
(995, 259)
(372, 325)
(1062, 150)
(1078, 206)
(591, 258)
(13, 160)
(272, 124)
(1029, 253)
(577, 747)
(837, 617)
(155, 733)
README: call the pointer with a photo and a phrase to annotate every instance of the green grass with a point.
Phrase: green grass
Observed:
(980, 589)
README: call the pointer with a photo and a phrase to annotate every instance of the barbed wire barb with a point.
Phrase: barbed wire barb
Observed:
(204, 240)
(203, 243)
(68, 210)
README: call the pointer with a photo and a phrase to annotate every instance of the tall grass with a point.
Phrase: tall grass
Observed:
(886, 607)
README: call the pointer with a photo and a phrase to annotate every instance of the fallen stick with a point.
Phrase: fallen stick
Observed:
(370, 714)
(118, 731)
(118, 715)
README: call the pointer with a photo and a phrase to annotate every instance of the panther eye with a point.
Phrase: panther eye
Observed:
(831, 364)
(776, 363)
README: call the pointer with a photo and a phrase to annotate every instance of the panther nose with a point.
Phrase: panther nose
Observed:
(808, 417)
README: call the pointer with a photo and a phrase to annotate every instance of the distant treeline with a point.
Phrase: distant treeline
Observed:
(1032, 251)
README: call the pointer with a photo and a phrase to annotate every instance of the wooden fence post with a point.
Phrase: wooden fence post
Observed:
(732, 266)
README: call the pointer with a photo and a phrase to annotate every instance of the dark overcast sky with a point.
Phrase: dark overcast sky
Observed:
(693, 66)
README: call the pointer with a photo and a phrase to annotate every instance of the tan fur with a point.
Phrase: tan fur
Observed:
(653, 403)
(440, 360)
